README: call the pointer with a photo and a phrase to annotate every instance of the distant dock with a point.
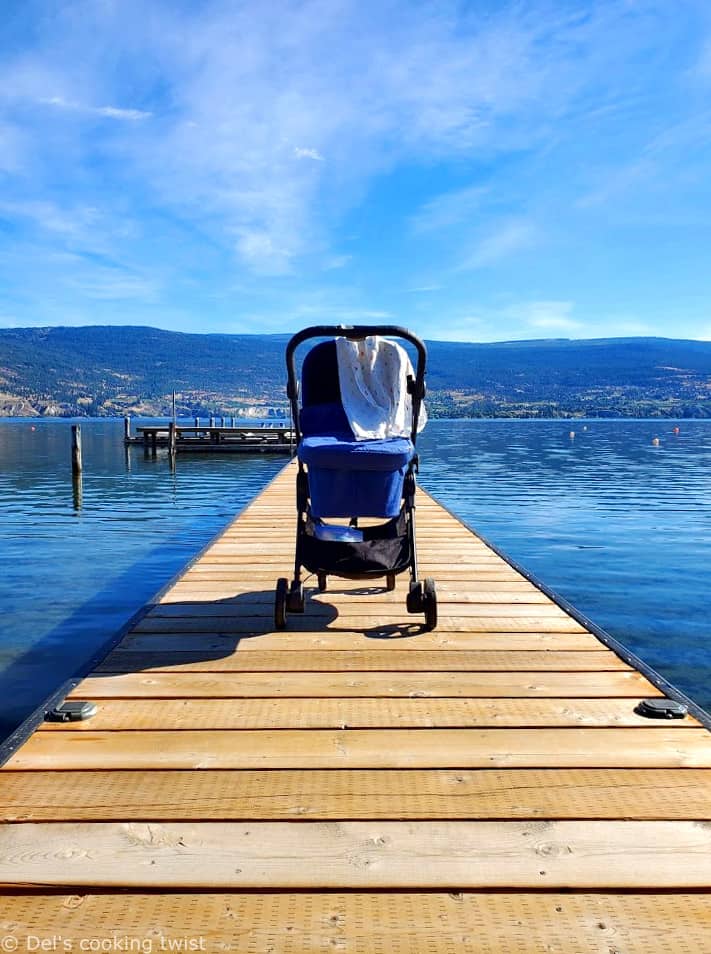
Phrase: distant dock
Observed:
(213, 436)
(355, 783)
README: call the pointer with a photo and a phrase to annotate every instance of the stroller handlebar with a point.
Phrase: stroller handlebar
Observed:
(356, 333)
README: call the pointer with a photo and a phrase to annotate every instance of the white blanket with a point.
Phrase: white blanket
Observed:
(373, 377)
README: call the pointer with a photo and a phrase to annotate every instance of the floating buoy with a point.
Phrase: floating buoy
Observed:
(585, 427)
(655, 441)
(571, 435)
(33, 428)
(676, 430)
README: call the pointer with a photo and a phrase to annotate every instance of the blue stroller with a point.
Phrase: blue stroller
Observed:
(340, 476)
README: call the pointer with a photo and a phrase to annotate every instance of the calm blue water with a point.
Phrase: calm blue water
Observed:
(620, 527)
(72, 576)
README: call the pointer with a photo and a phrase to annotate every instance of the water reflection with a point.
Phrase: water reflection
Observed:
(79, 560)
(619, 526)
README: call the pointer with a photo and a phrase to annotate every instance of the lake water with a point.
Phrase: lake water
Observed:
(617, 525)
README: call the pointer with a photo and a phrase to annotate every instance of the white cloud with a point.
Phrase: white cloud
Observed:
(112, 112)
(336, 262)
(308, 154)
(550, 315)
(235, 87)
(113, 284)
(263, 254)
(449, 209)
(253, 130)
(507, 239)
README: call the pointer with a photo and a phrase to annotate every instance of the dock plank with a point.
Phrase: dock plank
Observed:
(367, 748)
(388, 794)
(385, 639)
(184, 685)
(530, 623)
(177, 714)
(358, 855)
(196, 655)
(402, 923)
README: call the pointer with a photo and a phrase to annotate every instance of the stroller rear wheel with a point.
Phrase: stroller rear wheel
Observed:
(414, 598)
(295, 598)
(429, 598)
(423, 599)
(282, 591)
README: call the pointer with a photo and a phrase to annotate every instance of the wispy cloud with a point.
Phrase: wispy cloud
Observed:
(111, 112)
(241, 147)
(507, 239)
(301, 153)
(114, 285)
(335, 262)
(545, 315)
(451, 208)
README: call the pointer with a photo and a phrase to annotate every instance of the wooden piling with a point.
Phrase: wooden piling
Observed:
(172, 439)
(77, 491)
(76, 449)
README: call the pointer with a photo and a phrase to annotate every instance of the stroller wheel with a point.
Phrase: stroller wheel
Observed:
(282, 590)
(295, 598)
(322, 582)
(415, 598)
(390, 582)
(430, 603)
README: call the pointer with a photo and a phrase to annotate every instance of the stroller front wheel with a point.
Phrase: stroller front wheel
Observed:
(282, 591)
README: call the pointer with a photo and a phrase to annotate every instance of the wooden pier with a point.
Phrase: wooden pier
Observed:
(212, 438)
(356, 784)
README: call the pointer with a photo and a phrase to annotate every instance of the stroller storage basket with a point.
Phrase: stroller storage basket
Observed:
(384, 549)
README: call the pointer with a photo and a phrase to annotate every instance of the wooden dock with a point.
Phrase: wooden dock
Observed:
(212, 438)
(356, 784)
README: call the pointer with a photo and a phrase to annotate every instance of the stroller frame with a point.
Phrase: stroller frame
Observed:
(314, 554)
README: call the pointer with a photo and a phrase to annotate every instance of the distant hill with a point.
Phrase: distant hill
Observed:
(110, 370)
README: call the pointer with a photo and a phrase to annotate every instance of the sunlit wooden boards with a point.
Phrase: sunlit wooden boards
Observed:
(354, 783)
(357, 923)
(360, 794)
(358, 854)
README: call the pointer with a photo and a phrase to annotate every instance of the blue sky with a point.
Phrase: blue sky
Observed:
(477, 171)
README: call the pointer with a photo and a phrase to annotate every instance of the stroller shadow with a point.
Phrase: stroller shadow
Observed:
(185, 633)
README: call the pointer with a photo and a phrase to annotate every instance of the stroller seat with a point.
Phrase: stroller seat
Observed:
(350, 478)
(336, 451)
(347, 477)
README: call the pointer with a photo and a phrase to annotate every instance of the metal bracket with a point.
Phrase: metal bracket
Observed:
(72, 712)
(661, 709)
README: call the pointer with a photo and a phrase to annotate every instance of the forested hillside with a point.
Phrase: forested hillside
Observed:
(118, 370)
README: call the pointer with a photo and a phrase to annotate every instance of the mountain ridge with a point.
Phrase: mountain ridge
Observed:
(108, 370)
